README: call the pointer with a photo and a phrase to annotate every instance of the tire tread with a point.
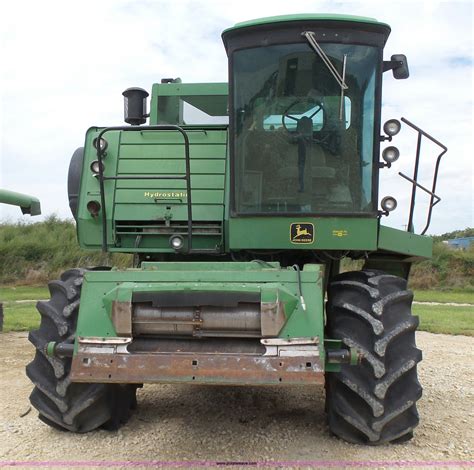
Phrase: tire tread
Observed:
(374, 402)
(62, 404)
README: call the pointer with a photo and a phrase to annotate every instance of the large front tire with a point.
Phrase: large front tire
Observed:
(374, 402)
(76, 407)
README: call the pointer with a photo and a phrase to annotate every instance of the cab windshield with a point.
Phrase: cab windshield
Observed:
(301, 144)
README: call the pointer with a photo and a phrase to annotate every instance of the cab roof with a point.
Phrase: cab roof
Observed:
(306, 17)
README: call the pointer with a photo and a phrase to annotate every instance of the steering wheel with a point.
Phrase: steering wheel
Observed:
(304, 124)
(304, 134)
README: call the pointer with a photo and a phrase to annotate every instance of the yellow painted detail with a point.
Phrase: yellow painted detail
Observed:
(340, 233)
(165, 194)
(301, 232)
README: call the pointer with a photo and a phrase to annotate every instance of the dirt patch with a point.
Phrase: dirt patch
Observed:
(222, 423)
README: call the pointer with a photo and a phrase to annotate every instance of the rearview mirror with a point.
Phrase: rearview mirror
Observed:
(398, 65)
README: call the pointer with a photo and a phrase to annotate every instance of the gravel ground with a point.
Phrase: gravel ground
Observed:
(181, 422)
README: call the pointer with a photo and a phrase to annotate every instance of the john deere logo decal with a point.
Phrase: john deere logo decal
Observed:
(301, 232)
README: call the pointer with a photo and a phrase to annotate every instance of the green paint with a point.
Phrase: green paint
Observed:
(330, 233)
(302, 322)
(142, 214)
(50, 347)
(168, 100)
(273, 283)
(28, 204)
(305, 17)
(162, 201)
(94, 319)
(398, 241)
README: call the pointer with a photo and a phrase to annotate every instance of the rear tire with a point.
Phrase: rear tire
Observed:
(374, 402)
(76, 407)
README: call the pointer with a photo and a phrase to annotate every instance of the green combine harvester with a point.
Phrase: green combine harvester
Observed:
(238, 231)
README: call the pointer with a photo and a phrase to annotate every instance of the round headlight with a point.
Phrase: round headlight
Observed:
(390, 154)
(103, 144)
(95, 167)
(392, 127)
(389, 203)
(176, 242)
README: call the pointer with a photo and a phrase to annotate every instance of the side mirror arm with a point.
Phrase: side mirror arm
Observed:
(391, 64)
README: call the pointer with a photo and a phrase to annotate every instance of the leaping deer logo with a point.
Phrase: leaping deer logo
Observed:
(302, 233)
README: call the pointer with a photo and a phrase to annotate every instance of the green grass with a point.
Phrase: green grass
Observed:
(23, 293)
(447, 270)
(462, 297)
(20, 317)
(32, 253)
(433, 318)
(41, 292)
(445, 319)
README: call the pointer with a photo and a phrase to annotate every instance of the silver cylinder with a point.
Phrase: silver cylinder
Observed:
(242, 321)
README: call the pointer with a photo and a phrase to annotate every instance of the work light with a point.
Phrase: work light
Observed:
(103, 144)
(176, 242)
(93, 207)
(388, 203)
(95, 167)
(390, 154)
(392, 127)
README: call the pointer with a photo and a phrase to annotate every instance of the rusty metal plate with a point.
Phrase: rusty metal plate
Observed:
(195, 368)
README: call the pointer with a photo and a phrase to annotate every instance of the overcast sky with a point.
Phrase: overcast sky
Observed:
(66, 63)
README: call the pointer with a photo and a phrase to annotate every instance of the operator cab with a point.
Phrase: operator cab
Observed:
(304, 112)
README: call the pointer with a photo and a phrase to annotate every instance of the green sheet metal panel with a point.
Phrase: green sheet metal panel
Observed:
(332, 233)
(154, 153)
(399, 241)
(193, 89)
(210, 212)
(197, 182)
(160, 244)
(175, 151)
(101, 287)
(89, 229)
(210, 98)
(203, 135)
(214, 106)
(305, 17)
(160, 200)
(137, 166)
(139, 196)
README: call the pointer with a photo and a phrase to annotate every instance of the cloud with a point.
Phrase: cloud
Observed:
(68, 62)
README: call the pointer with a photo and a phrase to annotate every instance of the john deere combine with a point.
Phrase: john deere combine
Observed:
(238, 231)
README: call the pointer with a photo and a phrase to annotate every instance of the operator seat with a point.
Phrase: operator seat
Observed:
(325, 180)
(316, 170)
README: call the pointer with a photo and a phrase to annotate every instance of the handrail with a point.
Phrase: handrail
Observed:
(186, 176)
(414, 180)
